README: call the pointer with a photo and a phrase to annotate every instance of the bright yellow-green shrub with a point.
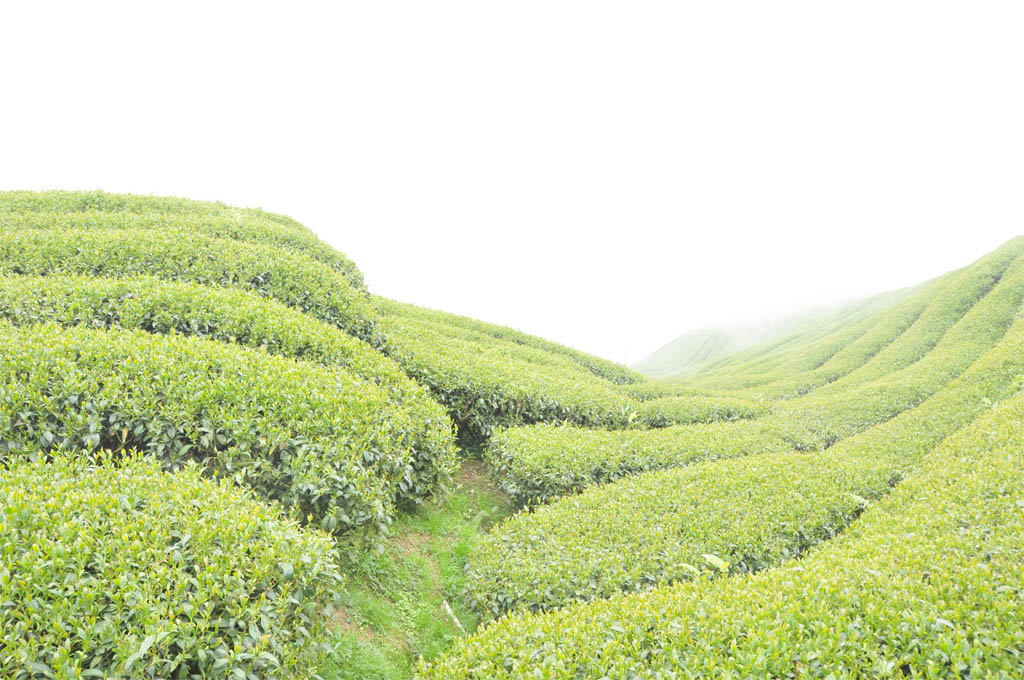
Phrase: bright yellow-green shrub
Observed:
(125, 571)
(660, 389)
(687, 410)
(486, 382)
(602, 368)
(238, 316)
(104, 202)
(927, 583)
(102, 210)
(537, 463)
(294, 279)
(325, 444)
(753, 512)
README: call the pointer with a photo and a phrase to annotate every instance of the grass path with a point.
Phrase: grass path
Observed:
(393, 609)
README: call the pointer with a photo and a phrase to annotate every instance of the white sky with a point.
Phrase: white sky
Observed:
(608, 175)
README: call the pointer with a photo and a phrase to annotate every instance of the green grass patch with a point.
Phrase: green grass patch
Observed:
(392, 613)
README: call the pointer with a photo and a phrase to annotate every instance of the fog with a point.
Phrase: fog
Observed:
(608, 175)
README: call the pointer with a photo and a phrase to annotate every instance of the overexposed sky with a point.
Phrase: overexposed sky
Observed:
(605, 174)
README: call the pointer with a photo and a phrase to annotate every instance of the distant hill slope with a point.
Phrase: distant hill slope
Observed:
(701, 349)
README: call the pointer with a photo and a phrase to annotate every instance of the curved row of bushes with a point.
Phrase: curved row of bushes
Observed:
(239, 227)
(327, 445)
(486, 382)
(238, 316)
(753, 513)
(603, 368)
(539, 463)
(964, 295)
(104, 202)
(122, 570)
(697, 409)
(945, 299)
(927, 583)
(295, 280)
(883, 331)
(802, 349)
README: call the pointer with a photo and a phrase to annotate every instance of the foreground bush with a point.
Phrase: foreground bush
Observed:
(238, 316)
(927, 583)
(99, 210)
(124, 571)
(324, 443)
(754, 512)
(293, 279)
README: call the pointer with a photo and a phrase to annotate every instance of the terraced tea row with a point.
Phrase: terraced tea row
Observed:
(603, 368)
(325, 444)
(122, 570)
(238, 225)
(753, 513)
(295, 280)
(486, 382)
(238, 317)
(539, 463)
(926, 582)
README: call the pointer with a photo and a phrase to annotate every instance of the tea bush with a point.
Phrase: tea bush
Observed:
(325, 444)
(926, 583)
(486, 382)
(124, 571)
(753, 513)
(238, 316)
(688, 410)
(100, 211)
(295, 280)
(540, 463)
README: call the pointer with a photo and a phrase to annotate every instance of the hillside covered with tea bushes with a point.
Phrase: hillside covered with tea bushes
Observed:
(876, 493)
(233, 346)
(221, 456)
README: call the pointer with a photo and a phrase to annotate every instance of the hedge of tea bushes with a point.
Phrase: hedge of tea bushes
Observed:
(965, 289)
(536, 463)
(660, 389)
(885, 328)
(757, 375)
(798, 351)
(122, 570)
(325, 444)
(947, 299)
(602, 368)
(104, 202)
(687, 410)
(486, 382)
(239, 227)
(540, 463)
(926, 583)
(238, 316)
(825, 416)
(753, 513)
(295, 280)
